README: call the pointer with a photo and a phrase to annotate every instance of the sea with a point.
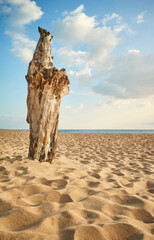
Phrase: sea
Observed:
(121, 131)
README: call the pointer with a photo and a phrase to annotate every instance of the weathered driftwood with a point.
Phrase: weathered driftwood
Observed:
(46, 87)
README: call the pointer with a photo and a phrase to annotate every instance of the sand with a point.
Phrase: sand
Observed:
(100, 187)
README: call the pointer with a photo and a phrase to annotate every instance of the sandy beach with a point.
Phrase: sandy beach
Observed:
(100, 187)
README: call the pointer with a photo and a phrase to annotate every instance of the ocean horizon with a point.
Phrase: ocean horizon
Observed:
(120, 131)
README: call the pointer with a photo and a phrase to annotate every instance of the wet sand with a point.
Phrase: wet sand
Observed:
(100, 187)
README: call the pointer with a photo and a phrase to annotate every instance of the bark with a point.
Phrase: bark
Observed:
(46, 86)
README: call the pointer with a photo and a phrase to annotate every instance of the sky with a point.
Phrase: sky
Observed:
(107, 49)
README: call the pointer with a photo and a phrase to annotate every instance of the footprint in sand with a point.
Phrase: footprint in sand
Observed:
(20, 171)
(59, 184)
(89, 214)
(128, 200)
(93, 184)
(55, 184)
(49, 196)
(96, 175)
(84, 162)
(43, 181)
(31, 189)
(21, 168)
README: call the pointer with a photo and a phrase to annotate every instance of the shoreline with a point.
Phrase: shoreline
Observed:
(98, 131)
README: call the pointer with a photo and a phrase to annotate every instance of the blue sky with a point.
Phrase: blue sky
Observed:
(108, 52)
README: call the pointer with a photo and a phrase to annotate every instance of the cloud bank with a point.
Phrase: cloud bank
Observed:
(87, 47)
(131, 77)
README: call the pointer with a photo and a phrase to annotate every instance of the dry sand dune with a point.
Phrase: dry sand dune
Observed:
(100, 187)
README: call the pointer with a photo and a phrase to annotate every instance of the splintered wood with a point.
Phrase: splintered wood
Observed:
(46, 86)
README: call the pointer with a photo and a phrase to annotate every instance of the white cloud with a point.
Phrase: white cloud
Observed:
(64, 13)
(108, 18)
(78, 10)
(84, 72)
(71, 57)
(133, 51)
(19, 38)
(123, 27)
(130, 31)
(117, 24)
(78, 28)
(102, 42)
(22, 46)
(140, 17)
(131, 77)
(25, 54)
(119, 28)
(73, 28)
(84, 75)
(21, 12)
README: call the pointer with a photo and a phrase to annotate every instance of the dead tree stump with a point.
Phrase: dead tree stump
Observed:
(46, 86)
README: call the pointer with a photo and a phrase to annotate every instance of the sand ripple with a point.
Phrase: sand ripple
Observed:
(100, 187)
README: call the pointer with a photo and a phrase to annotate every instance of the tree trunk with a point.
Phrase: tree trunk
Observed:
(46, 86)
